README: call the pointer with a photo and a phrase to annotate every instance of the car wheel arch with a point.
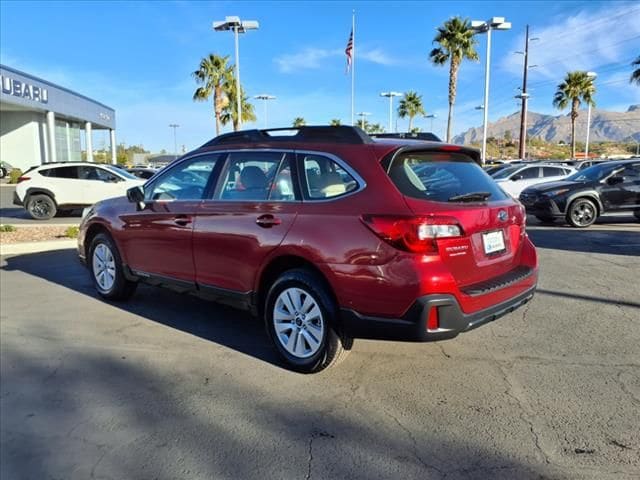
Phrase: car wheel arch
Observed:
(275, 267)
(589, 195)
(94, 230)
(39, 191)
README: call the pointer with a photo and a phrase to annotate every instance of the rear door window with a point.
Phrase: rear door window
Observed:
(442, 177)
(552, 171)
(257, 176)
(61, 172)
(528, 173)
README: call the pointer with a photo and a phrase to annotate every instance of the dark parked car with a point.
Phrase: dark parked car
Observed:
(142, 172)
(327, 235)
(610, 187)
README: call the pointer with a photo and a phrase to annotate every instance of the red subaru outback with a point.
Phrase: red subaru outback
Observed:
(326, 234)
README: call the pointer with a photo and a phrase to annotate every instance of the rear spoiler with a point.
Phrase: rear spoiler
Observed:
(470, 152)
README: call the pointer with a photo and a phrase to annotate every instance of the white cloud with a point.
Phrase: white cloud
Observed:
(309, 58)
(585, 41)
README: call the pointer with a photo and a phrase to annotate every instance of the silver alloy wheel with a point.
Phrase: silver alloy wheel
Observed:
(104, 267)
(298, 322)
(583, 214)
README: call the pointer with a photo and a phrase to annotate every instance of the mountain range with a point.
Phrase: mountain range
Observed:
(605, 126)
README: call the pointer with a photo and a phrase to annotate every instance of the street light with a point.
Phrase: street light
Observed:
(265, 98)
(237, 26)
(175, 143)
(362, 116)
(431, 116)
(390, 95)
(494, 23)
(586, 145)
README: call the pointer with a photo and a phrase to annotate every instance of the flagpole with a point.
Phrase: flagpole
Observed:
(353, 68)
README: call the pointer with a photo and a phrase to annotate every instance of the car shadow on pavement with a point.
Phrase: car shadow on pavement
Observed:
(610, 241)
(208, 320)
(86, 414)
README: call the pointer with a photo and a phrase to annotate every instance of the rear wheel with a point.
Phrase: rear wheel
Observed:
(41, 207)
(3, 172)
(301, 318)
(582, 213)
(107, 270)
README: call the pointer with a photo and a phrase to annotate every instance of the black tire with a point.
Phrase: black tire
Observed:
(545, 219)
(334, 346)
(41, 207)
(582, 213)
(637, 214)
(3, 172)
(122, 288)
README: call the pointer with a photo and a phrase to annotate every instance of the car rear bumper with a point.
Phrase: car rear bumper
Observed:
(16, 199)
(413, 325)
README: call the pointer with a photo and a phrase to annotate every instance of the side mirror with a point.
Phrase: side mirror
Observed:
(135, 195)
(615, 180)
(515, 178)
(112, 180)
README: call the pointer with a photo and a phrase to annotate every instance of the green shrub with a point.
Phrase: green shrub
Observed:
(72, 232)
(14, 175)
(7, 228)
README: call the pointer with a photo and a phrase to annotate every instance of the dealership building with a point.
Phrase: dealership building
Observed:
(41, 122)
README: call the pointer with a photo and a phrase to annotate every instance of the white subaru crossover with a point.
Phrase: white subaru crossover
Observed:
(57, 188)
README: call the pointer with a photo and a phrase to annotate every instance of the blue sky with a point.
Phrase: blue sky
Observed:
(137, 57)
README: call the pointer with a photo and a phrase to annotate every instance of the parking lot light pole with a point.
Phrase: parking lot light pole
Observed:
(265, 98)
(390, 95)
(494, 23)
(175, 143)
(362, 116)
(586, 144)
(237, 26)
(431, 116)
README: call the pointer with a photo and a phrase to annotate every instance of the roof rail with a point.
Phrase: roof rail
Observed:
(310, 134)
(425, 136)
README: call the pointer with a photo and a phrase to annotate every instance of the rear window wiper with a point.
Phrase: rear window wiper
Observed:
(470, 197)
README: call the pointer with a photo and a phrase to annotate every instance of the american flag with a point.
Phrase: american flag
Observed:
(349, 51)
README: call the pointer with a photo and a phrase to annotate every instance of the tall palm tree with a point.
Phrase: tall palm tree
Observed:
(456, 42)
(299, 122)
(635, 76)
(410, 106)
(212, 75)
(577, 87)
(335, 122)
(230, 111)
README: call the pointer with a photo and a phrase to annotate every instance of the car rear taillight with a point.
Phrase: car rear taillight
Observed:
(23, 179)
(413, 234)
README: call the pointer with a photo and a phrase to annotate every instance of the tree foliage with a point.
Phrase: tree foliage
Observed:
(576, 88)
(456, 42)
(299, 122)
(635, 76)
(213, 75)
(410, 106)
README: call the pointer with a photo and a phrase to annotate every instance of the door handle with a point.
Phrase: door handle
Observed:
(182, 220)
(268, 221)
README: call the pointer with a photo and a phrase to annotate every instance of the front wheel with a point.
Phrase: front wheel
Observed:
(107, 270)
(301, 319)
(582, 213)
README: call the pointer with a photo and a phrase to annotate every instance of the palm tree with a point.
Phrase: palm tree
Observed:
(577, 87)
(456, 42)
(212, 75)
(335, 122)
(410, 106)
(635, 76)
(230, 111)
(299, 122)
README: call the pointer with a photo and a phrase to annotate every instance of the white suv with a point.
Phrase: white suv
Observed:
(515, 179)
(61, 187)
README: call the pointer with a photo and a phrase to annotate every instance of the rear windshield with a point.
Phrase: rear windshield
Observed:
(443, 177)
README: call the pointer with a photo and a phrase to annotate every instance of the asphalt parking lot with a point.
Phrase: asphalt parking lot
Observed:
(170, 386)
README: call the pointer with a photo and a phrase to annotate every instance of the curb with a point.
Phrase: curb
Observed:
(35, 247)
